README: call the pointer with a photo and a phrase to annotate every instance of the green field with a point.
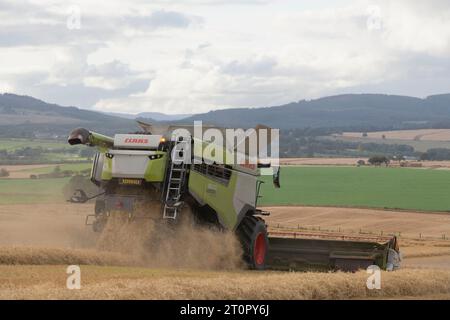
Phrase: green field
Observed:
(66, 166)
(393, 188)
(51, 151)
(421, 146)
(12, 144)
(15, 191)
(396, 188)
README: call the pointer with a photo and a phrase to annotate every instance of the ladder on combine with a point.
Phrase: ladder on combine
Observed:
(176, 179)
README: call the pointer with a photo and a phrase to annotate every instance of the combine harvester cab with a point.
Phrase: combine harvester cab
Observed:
(135, 167)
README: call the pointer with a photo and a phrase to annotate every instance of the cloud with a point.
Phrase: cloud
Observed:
(163, 19)
(69, 79)
(414, 26)
(41, 25)
(73, 94)
(197, 55)
(257, 66)
(111, 76)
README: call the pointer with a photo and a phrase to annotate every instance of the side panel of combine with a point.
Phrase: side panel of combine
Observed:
(229, 192)
(217, 195)
(244, 197)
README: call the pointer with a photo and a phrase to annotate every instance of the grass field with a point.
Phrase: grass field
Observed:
(54, 151)
(66, 166)
(12, 144)
(418, 145)
(393, 188)
(14, 191)
(396, 188)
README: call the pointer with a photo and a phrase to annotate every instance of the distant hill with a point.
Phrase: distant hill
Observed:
(162, 116)
(24, 116)
(362, 111)
(157, 116)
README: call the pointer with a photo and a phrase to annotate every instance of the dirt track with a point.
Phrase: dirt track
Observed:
(49, 237)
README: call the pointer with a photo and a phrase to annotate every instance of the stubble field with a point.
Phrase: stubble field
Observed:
(39, 241)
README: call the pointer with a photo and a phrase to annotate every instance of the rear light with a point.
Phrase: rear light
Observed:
(155, 156)
(119, 204)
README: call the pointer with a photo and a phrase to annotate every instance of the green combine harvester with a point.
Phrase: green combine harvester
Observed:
(146, 166)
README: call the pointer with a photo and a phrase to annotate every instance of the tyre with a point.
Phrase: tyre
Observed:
(252, 233)
(99, 206)
(100, 217)
(99, 224)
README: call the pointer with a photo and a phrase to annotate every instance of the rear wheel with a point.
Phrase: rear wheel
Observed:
(100, 216)
(252, 234)
(99, 224)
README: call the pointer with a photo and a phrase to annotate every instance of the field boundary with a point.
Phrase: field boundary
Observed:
(360, 232)
(393, 210)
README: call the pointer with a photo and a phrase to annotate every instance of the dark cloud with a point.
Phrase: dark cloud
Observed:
(75, 91)
(415, 74)
(37, 27)
(162, 19)
(23, 33)
(81, 95)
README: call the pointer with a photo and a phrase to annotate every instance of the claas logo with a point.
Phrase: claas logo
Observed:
(136, 140)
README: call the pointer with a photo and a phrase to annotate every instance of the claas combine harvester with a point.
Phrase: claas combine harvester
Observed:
(128, 167)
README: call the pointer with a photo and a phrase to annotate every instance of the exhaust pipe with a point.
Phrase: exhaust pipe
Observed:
(79, 136)
(89, 138)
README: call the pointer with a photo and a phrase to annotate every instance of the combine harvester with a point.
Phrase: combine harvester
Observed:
(130, 168)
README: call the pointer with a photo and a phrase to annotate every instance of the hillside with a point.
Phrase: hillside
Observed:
(155, 116)
(23, 116)
(365, 111)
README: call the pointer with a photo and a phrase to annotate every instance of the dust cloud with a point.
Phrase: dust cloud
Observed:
(56, 224)
(56, 234)
(154, 242)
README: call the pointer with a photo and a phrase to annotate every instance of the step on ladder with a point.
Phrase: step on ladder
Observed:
(176, 181)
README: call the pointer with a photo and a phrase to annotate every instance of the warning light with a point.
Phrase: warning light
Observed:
(119, 204)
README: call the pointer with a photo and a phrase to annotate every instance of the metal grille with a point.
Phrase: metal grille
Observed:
(215, 171)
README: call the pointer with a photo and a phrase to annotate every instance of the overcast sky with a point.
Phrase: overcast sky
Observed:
(193, 56)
